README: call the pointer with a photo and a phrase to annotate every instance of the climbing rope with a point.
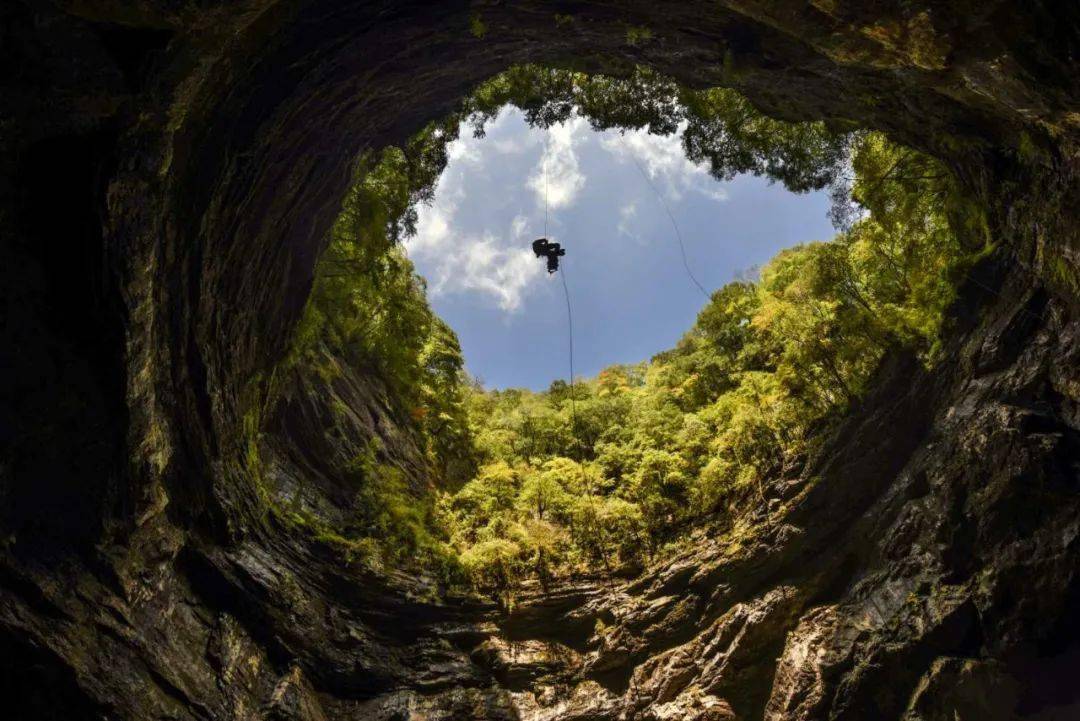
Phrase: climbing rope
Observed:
(570, 338)
(566, 290)
(569, 325)
(674, 224)
(547, 148)
(566, 293)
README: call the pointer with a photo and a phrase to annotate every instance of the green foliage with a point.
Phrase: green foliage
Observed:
(388, 511)
(368, 310)
(477, 27)
(602, 473)
(720, 127)
(441, 411)
(390, 524)
(638, 35)
(741, 398)
(608, 530)
(658, 487)
(726, 132)
(493, 565)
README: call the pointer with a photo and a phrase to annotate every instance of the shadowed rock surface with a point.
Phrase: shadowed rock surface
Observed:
(168, 171)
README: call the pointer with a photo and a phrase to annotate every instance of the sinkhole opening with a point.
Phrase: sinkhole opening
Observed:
(636, 277)
(734, 284)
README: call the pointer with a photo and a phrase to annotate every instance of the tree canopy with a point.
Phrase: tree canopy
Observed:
(600, 473)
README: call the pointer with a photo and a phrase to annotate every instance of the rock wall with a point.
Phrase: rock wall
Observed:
(167, 175)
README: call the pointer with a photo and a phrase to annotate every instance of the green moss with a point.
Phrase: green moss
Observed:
(290, 594)
(1029, 151)
(350, 550)
(562, 20)
(729, 70)
(364, 551)
(969, 220)
(250, 435)
(390, 526)
(956, 145)
(256, 400)
(477, 27)
(339, 409)
(1062, 274)
(638, 35)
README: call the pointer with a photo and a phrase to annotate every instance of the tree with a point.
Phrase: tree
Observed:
(494, 565)
(657, 487)
(543, 493)
(728, 133)
(720, 127)
(608, 529)
(485, 500)
(451, 448)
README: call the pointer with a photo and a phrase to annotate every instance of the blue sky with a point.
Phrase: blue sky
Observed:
(630, 294)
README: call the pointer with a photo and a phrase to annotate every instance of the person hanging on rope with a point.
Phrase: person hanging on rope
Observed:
(552, 251)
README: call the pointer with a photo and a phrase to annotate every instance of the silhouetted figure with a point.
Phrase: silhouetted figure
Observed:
(546, 249)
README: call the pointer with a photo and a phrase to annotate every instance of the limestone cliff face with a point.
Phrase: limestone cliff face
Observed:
(168, 171)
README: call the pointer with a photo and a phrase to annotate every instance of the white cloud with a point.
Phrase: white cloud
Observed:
(664, 161)
(462, 149)
(498, 137)
(518, 226)
(558, 174)
(432, 229)
(627, 216)
(460, 262)
(459, 257)
(483, 266)
(719, 194)
(508, 146)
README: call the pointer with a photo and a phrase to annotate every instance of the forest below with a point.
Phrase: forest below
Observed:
(599, 475)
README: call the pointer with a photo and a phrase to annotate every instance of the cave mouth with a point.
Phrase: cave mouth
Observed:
(612, 470)
(256, 175)
(216, 556)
